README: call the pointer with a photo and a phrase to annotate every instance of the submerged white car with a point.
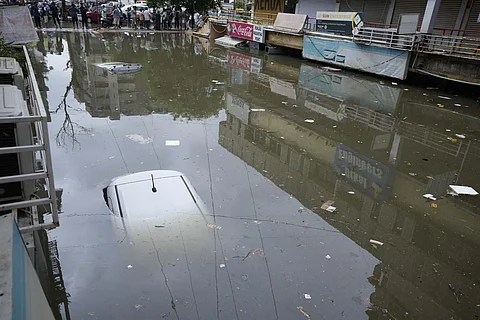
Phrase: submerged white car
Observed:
(153, 194)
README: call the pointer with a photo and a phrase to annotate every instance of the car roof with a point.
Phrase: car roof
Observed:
(155, 193)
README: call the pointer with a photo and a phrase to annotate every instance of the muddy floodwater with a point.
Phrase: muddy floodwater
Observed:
(314, 180)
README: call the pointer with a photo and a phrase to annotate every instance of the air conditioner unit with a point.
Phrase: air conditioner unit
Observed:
(11, 74)
(15, 133)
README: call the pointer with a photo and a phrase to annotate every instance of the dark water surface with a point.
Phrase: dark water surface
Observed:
(374, 148)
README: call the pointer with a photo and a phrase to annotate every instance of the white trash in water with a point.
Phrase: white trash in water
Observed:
(458, 190)
(139, 138)
(172, 143)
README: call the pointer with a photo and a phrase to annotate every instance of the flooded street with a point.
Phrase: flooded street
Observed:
(300, 167)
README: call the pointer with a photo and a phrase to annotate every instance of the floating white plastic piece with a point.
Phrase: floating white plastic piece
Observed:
(121, 67)
(328, 257)
(139, 138)
(461, 136)
(222, 265)
(394, 83)
(458, 190)
(220, 83)
(448, 130)
(376, 242)
(129, 266)
(307, 296)
(457, 105)
(214, 81)
(172, 143)
(446, 98)
(429, 196)
(351, 192)
(309, 120)
(257, 110)
(331, 209)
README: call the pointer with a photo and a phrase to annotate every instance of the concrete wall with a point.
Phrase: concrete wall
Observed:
(453, 68)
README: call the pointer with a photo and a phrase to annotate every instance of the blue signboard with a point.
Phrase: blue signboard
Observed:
(364, 173)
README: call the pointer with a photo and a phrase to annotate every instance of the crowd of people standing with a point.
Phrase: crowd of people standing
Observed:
(134, 17)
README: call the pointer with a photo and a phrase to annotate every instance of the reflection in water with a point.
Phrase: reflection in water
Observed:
(385, 144)
(364, 141)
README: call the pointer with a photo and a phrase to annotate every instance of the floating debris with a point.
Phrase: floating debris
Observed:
(328, 204)
(213, 226)
(429, 196)
(413, 174)
(328, 257)
(129, 266)
(452, 139)
(457, 105)
(307, 296)
(257, 110)
(302, 311)
(445, 98)
(214, 81)
(440, 105)
(461, 136)
(121, 67)
(309, 120)
(462, 190)
(351, 192)
(138, 306)
(172, 143)
(432, 88)
(159, 226)
(376, 242)
(139, 138)
(434, 205)
(394, 84)
(222, 265)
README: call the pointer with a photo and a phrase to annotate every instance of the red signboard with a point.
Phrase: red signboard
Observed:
(240, 30)
(238, 60)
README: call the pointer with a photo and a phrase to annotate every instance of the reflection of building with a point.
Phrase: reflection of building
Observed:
(429, 258)
(104, 93)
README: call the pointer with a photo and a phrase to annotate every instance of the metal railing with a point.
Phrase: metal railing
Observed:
(385, 38)
(462, 47)
(41, 152)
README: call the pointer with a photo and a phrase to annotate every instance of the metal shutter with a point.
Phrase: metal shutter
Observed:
(472, 25)
(375, 10)
(409, 6)
(352, 5)
(447, 15)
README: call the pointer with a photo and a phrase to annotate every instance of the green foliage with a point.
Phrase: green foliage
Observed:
(239, 4)
(196, 5)
(156, 4)
(6, 50)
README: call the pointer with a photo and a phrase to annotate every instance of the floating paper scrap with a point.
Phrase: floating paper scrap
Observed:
(458, 190)
(307, 296)
(309, 120)
(172, 143)
(328, 205)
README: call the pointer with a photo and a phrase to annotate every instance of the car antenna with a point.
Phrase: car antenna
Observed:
(153, 184)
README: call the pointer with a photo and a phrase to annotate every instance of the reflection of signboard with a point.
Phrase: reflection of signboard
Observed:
(339, 22)
(240, 30)
(238, 108)
(246, 31)
(368, 175)
(244, 62)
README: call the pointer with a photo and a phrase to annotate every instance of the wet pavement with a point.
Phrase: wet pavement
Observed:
(370, 148)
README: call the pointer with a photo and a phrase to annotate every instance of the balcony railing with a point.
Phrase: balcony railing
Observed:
(462, 47)
(385, 38)
(41, 152)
